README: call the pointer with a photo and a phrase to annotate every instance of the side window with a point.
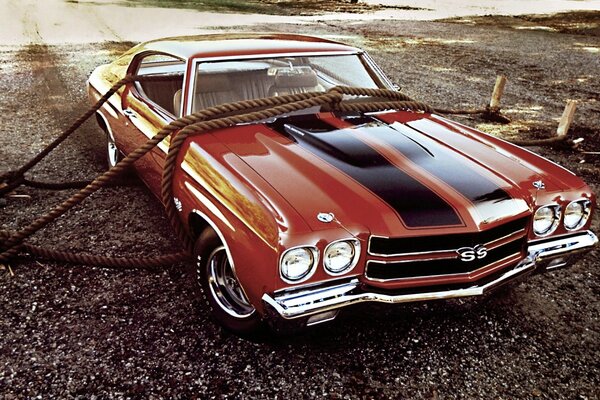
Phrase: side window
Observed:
(165, 90)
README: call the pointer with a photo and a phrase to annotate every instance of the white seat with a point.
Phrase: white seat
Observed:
(177, 103)
(295, 80)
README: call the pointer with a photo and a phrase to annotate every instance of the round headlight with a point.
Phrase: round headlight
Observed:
(296, 264)
(576, 214)
(340, 257)
(545, 220)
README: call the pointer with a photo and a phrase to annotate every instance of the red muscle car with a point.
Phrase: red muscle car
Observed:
(299, 216)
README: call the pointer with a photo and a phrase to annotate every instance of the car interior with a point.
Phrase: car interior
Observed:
(230, 81)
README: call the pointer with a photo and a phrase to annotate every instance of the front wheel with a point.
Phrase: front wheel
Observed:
(216, 276)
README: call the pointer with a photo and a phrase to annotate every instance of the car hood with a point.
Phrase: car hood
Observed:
(391, 173)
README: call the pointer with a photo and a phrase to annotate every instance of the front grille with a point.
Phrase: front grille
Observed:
(397, 246)
(414, 269)
(435, 256)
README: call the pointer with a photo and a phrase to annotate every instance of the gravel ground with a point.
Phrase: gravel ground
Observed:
(81, 332)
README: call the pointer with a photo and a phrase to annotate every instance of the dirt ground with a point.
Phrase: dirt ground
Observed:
(71, 331)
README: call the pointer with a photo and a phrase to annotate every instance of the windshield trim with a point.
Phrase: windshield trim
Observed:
(361, 54)
(275, 55)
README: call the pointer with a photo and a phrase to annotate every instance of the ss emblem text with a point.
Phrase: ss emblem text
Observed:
(471, 253)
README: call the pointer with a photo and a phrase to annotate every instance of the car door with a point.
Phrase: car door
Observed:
(150, 105)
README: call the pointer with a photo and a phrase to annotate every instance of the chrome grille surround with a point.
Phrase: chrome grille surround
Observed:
(438, 257)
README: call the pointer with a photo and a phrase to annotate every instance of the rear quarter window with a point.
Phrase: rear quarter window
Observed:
(165, 91)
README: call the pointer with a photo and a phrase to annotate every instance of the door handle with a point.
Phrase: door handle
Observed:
(129, 113)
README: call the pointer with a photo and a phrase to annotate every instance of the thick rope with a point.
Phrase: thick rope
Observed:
(384, 105)
(105, 261)
(222, 116)
(73, 184)
(315, 99)
(14, 243)
(15, 178)
(18, 175)
(555, 140)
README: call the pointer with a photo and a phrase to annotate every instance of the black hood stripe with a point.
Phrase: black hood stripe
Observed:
(416, 204)
(438, 161)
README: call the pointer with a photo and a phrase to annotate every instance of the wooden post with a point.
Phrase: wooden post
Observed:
(493, 110)
(567, 118)
(497, 93)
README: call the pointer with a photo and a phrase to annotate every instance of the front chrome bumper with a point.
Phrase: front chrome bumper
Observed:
(322, 300)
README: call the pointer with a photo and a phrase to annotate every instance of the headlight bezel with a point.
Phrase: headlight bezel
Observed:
(586, 212)
(557, 215)
(311, 270)
(355, 244)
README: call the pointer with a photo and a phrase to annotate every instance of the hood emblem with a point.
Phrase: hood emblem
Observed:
(539, 185)
(325, 217)
(468, 254)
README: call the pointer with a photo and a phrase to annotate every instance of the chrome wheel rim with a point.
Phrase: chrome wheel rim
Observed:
(225, 287)
(112, 152)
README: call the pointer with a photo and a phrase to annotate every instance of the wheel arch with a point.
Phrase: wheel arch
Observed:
(198, 222)
(102, 121)
(104, 124)
(253, 257)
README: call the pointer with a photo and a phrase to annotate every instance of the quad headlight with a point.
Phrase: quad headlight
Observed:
(341, 256)
(297, 264)
(545, 219)
(576, 214)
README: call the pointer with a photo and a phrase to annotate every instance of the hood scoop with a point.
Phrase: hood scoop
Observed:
(326, 139)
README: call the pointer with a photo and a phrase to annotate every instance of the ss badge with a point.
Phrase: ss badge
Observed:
(471, 253)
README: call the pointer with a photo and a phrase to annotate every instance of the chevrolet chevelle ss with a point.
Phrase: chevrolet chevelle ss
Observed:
(299, 216)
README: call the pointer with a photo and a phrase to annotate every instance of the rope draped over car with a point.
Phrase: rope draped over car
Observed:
(13, 244)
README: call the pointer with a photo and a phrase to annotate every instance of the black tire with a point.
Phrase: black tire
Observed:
(220, 287)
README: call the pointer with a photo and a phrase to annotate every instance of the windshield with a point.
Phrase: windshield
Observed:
(219, 82)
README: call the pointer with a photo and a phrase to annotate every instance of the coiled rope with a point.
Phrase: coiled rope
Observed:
(226, 115)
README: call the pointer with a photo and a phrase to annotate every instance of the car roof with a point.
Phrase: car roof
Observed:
(224, 45)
